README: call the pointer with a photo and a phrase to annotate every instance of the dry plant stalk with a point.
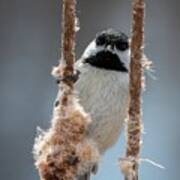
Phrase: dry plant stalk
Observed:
(129, 165)
(64, 152)
(68, 38)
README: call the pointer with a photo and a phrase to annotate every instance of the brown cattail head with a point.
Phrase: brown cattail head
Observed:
(63, 152)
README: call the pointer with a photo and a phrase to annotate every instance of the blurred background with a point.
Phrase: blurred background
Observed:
(29, 47)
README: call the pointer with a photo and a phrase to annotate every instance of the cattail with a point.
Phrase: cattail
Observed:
(64, 152)
(129, 165)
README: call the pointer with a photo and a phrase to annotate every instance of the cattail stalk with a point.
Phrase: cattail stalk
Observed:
(68, 38)
(64, 152)
(129, 165)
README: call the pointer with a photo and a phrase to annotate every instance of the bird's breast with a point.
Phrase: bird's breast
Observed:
(104, 95)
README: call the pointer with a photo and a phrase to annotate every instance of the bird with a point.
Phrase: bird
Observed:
(102, 87)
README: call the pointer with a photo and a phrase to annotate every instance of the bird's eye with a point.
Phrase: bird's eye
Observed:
(122, 45)
(101, 40)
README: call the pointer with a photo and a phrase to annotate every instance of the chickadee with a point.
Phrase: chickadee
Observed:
(102, 87)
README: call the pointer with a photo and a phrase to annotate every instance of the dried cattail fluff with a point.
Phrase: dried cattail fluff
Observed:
(127, 167)
(64, 152)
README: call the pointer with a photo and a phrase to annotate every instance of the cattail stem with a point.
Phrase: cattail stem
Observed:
(134, 123)
(136, 79)
(68, 36)
(66, 66)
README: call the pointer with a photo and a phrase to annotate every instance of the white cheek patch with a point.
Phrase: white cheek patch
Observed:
(91, 50)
